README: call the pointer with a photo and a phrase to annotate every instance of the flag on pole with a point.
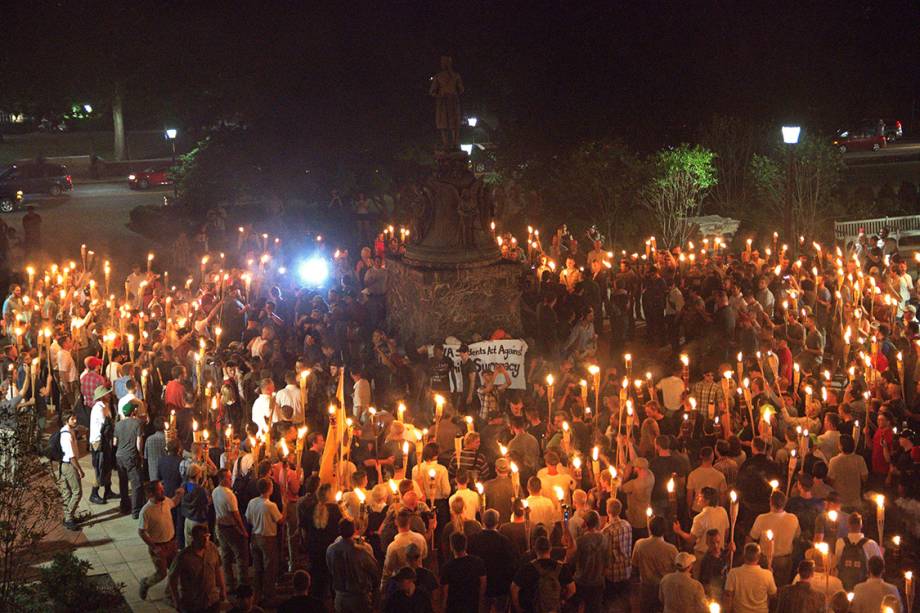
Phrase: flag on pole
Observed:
(335, 436)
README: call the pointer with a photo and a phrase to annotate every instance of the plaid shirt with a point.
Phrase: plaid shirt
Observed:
(488, 402)
(89, 381)
(618, 534)
(705, 393)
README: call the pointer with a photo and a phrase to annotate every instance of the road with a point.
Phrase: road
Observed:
(94, 214)
(902, 150)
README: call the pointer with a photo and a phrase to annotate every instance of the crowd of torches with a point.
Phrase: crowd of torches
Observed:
(861, 299)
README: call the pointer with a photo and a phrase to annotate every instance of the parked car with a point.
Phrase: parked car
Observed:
(861, 138)
(37, 178)
(10, 199)
(148, 178)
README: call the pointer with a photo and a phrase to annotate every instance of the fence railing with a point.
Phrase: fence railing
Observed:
(907, 225)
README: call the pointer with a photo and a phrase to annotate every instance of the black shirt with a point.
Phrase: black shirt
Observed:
(439, 373)
(527, 578)
(168, 473)
(498, 553)
(663, 467)
(462, 576)
(302, 604)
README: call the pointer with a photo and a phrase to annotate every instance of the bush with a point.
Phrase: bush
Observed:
(65, 586)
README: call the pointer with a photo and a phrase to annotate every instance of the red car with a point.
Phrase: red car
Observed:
(149, 178)
(863, 138)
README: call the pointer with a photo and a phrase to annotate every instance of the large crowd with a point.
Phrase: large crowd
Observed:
(697, 428)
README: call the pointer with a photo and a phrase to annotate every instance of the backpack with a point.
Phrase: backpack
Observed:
(53, 449)
(548, 598)
(80, 410)
(852, 566)
(241, 485)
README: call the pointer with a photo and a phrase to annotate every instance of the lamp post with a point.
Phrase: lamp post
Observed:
(171, 134)
(790, 138)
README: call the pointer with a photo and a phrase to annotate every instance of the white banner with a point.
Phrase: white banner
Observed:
(507, 353)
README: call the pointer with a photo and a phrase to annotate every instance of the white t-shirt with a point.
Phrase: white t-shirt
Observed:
(752, 587)
(395, 557)
(66, 366)
(542, 511)
(470, 503)
(441, 487)
(68, 444)
(289, 395)
(785, 527)
(705, 476)
(261, 409)
(671, 388)
(256, 346)
(707, 519)
(263, 515)
(96, 420)
(550, 482)
(225, 505)
(361, 397)
(156, 519)
(123, 401)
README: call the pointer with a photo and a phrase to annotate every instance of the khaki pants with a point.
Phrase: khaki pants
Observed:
(162, 556)
(264, 566)
(71, 489)
(233, 553)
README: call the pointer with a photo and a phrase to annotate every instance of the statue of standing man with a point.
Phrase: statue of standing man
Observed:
(446, 87)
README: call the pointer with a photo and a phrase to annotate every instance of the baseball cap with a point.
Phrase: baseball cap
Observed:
(684, 560)
(92, 361)
(502, 465)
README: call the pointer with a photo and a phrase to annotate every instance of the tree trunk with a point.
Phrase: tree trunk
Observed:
(118, 122)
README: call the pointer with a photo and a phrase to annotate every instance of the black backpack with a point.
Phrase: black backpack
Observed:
(53, 449)
(548, 596)
(852, 568)
(241, 485)
(82, 412)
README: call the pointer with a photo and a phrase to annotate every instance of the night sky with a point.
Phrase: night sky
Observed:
(547, 73)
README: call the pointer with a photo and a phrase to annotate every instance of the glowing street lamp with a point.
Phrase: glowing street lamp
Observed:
(791, 138)
(171, 134)
(791, 134)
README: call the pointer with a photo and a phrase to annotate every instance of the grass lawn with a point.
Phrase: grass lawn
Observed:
(140, 145)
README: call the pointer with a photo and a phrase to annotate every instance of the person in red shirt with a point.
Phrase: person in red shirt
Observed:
(882, 444)
(785, 360)
(91, 379)
(175, 390)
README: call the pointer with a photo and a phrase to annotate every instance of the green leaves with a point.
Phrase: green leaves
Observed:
(680, 180)
(692, 164)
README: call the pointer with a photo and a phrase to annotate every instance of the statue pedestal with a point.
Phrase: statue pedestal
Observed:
(427, 302)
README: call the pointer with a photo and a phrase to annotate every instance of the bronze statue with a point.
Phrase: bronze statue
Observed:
(446, 87)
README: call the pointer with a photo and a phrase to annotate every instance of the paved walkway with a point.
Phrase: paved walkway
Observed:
(109, 541)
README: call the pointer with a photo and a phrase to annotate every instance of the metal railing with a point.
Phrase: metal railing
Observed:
(907, 225)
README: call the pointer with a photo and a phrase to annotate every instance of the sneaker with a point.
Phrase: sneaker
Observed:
(73, 527)
(95, 499)
(109, 495)
(142, 589)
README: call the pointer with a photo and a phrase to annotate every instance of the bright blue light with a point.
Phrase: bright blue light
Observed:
(313, 272)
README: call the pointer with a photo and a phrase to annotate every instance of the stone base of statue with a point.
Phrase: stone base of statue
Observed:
(429, 302)
(452, 280)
